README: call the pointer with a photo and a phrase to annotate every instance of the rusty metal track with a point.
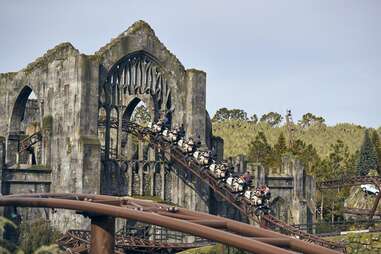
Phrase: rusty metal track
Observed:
(358, 211)
(353, 181)
(349, 181)
(282, 226)
(221, 190)
(236, 234)
(81, 238)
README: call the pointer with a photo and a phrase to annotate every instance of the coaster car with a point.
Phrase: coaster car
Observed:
(186, 146)
(203, 158)
(156, 127)
(235, 184)
(218, 171)
(172, 136)
(253, 197)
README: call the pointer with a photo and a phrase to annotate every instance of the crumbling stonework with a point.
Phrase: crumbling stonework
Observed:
(292, 190)
(71, 89)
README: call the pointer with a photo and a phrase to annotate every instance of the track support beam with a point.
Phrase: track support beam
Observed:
(102, 234)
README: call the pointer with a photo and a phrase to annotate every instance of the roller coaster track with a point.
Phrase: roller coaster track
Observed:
(230, 232)
(353, 181)
(349, 181)
(357, 211)
(283, 227)
(79, 241)
(243, 206)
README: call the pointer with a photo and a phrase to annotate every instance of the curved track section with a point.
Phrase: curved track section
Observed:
(353, 181)
(78, 241)
(349, 181)
(174, 154)
(215, 228)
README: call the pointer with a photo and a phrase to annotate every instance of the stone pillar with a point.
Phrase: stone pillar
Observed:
(141, 164)
(152, 180)
(261, 175)
(90, 152)
(218, 146)
(12, 148)
(162, 175)
(196, 104)
(130, 176)
(2, 162)
(120, 125)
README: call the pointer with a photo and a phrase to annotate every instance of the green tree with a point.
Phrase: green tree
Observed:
(310, 119)
(141, 115)
(260, 150)
(272, 118)
(221, 115)
(280, 147)
(224, 114)
(377, 147)
(307, 154)
(238, 114)
(368, 158)
(339, 158)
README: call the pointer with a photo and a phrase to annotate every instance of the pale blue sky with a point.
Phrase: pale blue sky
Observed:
(320, 56)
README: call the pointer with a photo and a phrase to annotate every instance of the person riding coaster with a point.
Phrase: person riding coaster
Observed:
(156, 127)
(253, 197)
(265, 192)
(235, 184)
(173, 135)
(186, 146)
(219, 171)
(202, 157)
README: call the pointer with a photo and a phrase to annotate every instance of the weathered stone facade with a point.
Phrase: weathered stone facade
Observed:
(292, 190)
(71, 90)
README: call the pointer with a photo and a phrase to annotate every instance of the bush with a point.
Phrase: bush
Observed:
(35, 234)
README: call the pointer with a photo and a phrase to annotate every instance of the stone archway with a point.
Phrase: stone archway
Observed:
(25, 120)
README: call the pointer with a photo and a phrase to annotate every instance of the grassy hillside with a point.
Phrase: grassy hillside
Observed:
(238, 135)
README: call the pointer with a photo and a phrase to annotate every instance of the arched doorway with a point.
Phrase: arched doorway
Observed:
(135, 90)
(132, 148)
(24, 136)
(135, 82)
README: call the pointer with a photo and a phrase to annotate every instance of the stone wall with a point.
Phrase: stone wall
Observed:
(364, 243)
(292, 190)
(69, 91)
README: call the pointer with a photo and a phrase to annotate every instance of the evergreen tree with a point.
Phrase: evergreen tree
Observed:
(260, 150)
(377, 147)
(339, 158)
(368, 157)
(280, 147)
